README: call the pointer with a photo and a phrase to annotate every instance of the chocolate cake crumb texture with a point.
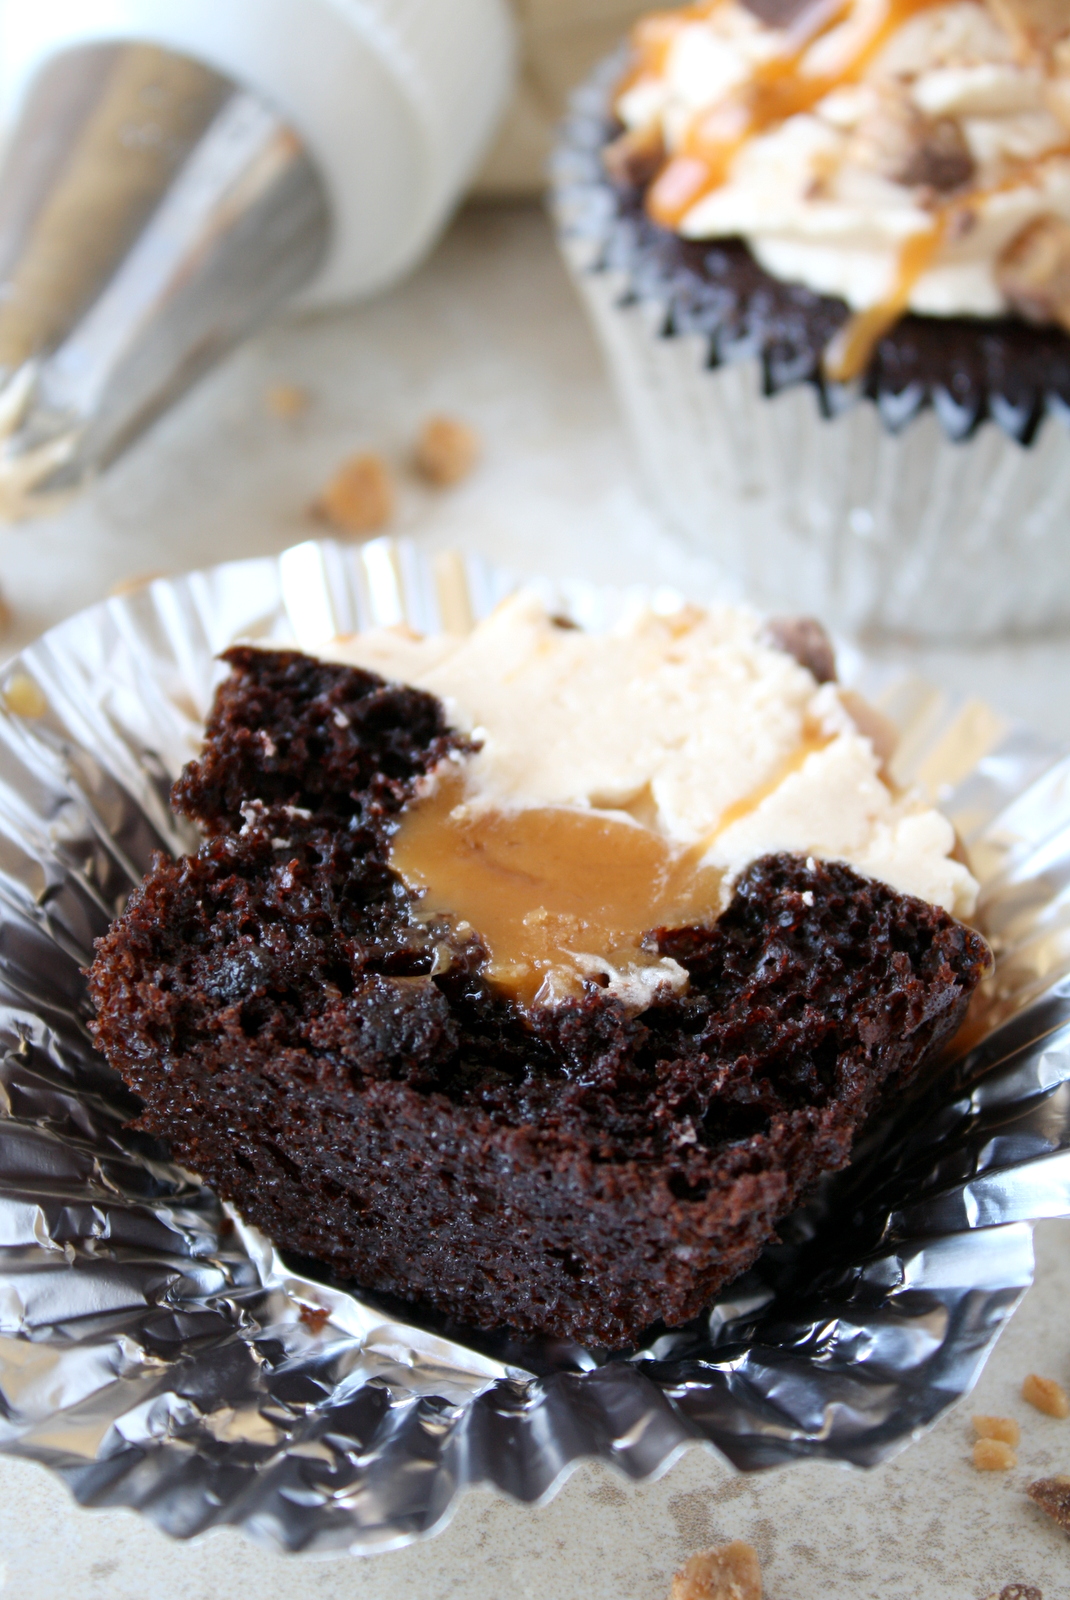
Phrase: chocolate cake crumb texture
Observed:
(342, 1072)
(968, 369)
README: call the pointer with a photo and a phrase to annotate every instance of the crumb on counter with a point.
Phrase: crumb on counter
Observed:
(286, 401)
(993, 1455)
(729, 1572)
(1047, 1395)
(446, 451)
(1003, 1428)
(1017, 1591)
(360, 496)
(1053, 1496)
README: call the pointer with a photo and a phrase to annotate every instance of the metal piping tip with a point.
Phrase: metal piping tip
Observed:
(152, 213)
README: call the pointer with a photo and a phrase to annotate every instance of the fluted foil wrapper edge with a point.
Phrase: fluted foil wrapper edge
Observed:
(158, 1354)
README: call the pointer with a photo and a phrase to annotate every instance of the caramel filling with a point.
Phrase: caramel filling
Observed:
(555, 894)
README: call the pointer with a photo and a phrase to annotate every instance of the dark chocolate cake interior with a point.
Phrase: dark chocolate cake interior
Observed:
(343, 1072)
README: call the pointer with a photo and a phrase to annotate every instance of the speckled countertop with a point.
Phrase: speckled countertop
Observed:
(489, 330)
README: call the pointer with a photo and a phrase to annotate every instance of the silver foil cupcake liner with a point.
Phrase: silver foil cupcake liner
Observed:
(158, 1354)
(873, 516)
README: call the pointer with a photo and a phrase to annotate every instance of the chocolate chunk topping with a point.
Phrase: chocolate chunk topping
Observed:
(940, 159)
(633, 158)
(806, 640)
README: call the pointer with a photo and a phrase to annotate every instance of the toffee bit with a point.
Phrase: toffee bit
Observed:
(1004, 1429)
(729, 1572)
(446, 451)
(1017, 1591)
(993, 1455)
(1047, 1395)
(359, 498)
(911, 149)
(315, 1318)
(1052, 1495)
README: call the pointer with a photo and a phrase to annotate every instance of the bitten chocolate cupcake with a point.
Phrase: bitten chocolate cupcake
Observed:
(535, 975)
(827, 247)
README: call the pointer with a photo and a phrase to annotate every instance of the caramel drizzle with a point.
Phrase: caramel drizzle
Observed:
(849, 350)
(775, 93)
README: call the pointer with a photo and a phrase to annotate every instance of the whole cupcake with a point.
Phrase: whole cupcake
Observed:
(827, 247)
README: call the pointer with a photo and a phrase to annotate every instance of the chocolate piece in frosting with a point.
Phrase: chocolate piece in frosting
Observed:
(940, 158)
(806, 640)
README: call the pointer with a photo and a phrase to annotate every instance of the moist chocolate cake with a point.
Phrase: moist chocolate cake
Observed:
(342, 1071)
